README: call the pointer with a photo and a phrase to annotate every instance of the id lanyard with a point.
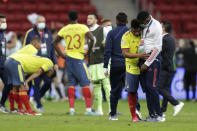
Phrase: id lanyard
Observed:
(3, 46)
(44, 46)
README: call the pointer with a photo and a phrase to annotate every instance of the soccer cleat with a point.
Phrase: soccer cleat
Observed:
(135, 119)
(99, 113)
(139, 115)
(150, 119)
(90, 113)
(164, 115)
(31, 112)
(22, 112)
(160, 119)
(14, 111)
(72, 113)
(113, 118)
(4, 110)
(178, 108)
(40, 109)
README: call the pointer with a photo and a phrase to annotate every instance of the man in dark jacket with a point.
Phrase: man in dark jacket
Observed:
(40, 30)
(167, 70)
(3, 75)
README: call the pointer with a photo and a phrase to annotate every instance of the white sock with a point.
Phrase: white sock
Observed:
(88, 109)
(72, 110)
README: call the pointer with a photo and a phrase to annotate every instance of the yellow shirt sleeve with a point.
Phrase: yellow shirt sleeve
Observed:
(125, 41)
(86, 29)
(61, 33)
(47, 65)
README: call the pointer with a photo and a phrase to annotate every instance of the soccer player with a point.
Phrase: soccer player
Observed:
(167, 70)
(17, 65)
(40, 30)
(30, 49)
(130, 44)
(75, 35)
(151, 43)
(3, 74)
(96, 60)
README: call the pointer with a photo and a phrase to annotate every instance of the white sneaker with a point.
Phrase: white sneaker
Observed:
(161, 119)
(178, 108)
(113, 118)
(139, 115)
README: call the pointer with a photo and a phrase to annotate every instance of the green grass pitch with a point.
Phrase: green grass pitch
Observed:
(56, 118)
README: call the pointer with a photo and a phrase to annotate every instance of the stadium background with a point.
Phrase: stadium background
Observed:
(181, 13)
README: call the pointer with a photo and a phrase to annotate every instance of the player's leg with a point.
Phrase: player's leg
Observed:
(36, 97)
(7, 87)
(96, 77)
(107, 88)
(193, 84)
(152, 78)
(133, 83)
(117, 81)
(98, 97)
(84, 81)
(71, 85)
(187, 84)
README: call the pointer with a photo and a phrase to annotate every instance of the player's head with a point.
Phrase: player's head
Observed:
(144, 18)
(41, 22)
(135, 27)
(92, 19)
(106, 22)
(72, 16)
(3, 24)
(121, 18)
(51, 73)
(166, 26)
(36, 42)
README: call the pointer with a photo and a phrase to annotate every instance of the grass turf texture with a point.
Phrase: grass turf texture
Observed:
(56, 118)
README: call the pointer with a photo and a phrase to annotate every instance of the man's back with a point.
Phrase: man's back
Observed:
(74, 35)
(113, 46)
(168, 48)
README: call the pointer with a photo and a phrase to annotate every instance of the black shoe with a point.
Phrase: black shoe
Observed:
(4, 110)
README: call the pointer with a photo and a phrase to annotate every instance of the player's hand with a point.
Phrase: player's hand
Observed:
(143, 56)
(56, 67)
(143, 68)
(106, 72)
(26, 86)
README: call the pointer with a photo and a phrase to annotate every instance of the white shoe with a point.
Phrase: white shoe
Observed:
(113, 118)
(100, 113)
(161, 119)
(139, 115)
(178, 108)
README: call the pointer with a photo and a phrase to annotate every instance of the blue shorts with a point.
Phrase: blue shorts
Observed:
(15, 72)
(77, 72)
(132, 82)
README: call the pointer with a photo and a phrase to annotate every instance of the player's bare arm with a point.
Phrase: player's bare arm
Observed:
(90, 44)
(33, 76)
(55, 42)
(127, 54)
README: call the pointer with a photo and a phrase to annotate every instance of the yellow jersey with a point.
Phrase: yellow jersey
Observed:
(28, 49)
(32, 63)
(132, 43)
(74, 36)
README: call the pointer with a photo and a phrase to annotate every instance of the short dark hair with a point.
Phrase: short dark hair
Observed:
(143, 15)
(167, 26)
(105, 20)
(94, 14)
(121, 17)
(135, 24)
(35, 39)
(73, 15)
(2, 16)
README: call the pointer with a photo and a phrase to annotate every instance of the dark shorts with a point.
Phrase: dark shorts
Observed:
(77, 72)
(15, 72)
(132, 82)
